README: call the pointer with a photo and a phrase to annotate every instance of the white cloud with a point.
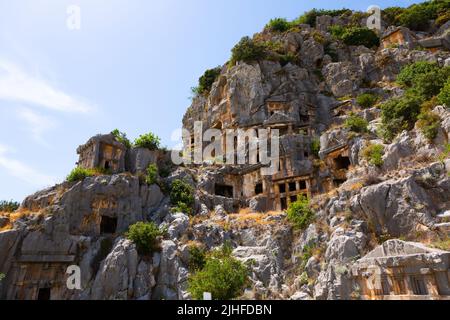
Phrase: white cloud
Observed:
(37, 124)
(22, 171)
(20, 86)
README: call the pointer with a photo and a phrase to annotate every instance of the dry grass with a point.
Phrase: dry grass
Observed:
(248, 219)
(17, 215)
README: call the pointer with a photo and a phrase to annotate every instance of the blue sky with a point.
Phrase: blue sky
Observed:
(130, 66)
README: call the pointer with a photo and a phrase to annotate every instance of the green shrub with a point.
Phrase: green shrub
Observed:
(9, 206)
(289, 57)
(197, 258)
(145, 236)
(444, 95)
(374, 154)
(360, 36)
(278, 25)
(315, 147)
(426, 79)
(182, 196)
(121, 137)
(429, 123)
(356, 124)
(206, 81)
(399, 114)
(391, 15)
(2, 276)
(79, 174)
(310, 17)
(149, 141)
(222, 275)
(247, 50)
(152, 174)
(300, 214)
(367, 100)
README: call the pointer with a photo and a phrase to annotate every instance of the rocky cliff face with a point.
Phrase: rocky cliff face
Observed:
(357, 205)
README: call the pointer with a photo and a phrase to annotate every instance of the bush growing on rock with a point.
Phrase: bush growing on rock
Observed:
(399, 114)
(247, 50)
(79, 174)
(356, 36)
(310, 17)
(206, 81)
(222, 275)
(146, 237)
(429, 124)
(197, 258)
(417, 17)
(278, 25)
(373, 153)
(444, 95)
(367, 100)
(9, 206)
(300, 214)
(356, 124)
(121, 137)
(425, 79)
(148, 140)
(152, 174)
(315, 147)
(182, 196)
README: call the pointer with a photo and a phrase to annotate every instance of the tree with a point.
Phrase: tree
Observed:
(145, 235)
(247, 50)
(300, 214)
(222, 275)
(148, 140)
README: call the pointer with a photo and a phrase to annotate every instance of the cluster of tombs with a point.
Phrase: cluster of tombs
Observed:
(404, 38)
(399, 270)
(295, 174)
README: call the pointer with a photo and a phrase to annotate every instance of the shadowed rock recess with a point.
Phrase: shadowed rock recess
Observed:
(380, 204)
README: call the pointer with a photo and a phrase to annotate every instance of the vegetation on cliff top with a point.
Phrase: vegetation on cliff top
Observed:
(146, 236)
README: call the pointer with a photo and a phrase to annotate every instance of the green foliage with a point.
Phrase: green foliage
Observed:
(426, 79)
(444, 95)
(391, 15)
(356, 124)
(148, 140)
(289, 57)
(355, 36)
(399, 114)
(197, 258)
(146, 237)
(152, 174)
(222, 275)
(278, 25)
(121, 137)
(79, 174)
(367, 100)
(2, 276)
(300, 214)
(417, 16)
(9, 206)
(429, 123)
(182, 196)
(374, 154)
(206, 81)
(247, 50)
(315, 147)
(311, 16)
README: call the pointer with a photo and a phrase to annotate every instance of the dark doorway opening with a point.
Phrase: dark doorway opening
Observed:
(283, 202)
(223, 190)
(338, 182)
(342, 162)
(418, 286)
(44, 294)
(108, 225)
(282, 188)
(292, 186)
(107, 165)
(259, 188)
(302, 185)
